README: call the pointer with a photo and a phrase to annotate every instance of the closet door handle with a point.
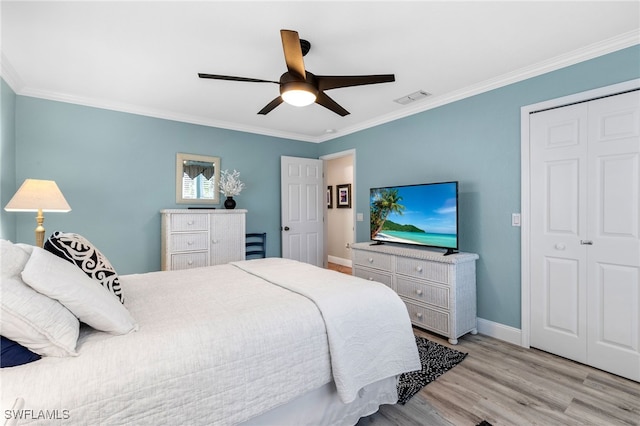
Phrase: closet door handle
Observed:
(586, 242)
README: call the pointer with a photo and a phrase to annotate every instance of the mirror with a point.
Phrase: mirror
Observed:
(197, 178)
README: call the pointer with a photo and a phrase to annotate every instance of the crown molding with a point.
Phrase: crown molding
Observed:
(595, 50)
(9, 74)
(592, 51)
(165, 115)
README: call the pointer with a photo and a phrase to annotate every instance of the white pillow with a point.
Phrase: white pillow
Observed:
(85, 297)
(32, 319)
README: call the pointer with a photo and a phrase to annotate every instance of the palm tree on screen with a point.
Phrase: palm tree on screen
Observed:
(383, 202)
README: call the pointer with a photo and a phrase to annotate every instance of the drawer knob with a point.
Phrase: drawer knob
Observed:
(214, 241)
(419, 315)
(189, 243)
(419, 268)
(370, 278)
(419, 292)
(370, 260)
(190, 262)
(190, 222)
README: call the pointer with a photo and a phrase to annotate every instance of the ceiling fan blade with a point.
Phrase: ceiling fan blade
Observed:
(270, 106)
(232, 78)
(326, 82)
(330, 104)
(293, 53)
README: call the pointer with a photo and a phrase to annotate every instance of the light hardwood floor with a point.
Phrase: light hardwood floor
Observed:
(505, 384)
(339, 268)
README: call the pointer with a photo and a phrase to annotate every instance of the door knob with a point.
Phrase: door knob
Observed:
(286, 228)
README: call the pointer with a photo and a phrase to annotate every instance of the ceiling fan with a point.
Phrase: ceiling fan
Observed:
(298, 86)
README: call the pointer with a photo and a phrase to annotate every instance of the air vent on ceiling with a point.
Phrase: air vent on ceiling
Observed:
(415, 96)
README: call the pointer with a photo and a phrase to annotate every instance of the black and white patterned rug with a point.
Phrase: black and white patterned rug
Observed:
(435, 359)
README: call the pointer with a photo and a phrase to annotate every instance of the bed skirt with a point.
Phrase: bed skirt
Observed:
(323, 406)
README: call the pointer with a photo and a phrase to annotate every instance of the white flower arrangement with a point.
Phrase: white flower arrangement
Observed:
(230, 183)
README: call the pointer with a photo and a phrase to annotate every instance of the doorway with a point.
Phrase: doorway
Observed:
(339, 176)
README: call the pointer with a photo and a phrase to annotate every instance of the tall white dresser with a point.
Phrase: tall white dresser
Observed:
(201, 237)
(439, 291)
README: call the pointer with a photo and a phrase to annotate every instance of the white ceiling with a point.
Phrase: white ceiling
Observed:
(143, 57)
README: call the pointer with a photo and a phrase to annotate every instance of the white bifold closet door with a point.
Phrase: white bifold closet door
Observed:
(585, 246)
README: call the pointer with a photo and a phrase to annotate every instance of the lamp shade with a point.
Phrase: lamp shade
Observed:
(36, 194)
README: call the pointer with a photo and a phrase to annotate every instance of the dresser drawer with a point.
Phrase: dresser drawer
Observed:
(189, 222)
(189, 260)
(430, 319)
(373, 260)
(423, 292)
(189, 241)
(372, 275)
(424, 269)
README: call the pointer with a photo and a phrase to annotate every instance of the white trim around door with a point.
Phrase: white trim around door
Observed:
(525, 229)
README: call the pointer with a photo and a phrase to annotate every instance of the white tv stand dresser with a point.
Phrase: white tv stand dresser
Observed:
(439, 291)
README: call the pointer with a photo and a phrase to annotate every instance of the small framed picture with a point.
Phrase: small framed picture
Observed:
(329, 197)
(344, 196)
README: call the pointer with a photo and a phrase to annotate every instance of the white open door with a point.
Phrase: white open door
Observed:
(302, 224)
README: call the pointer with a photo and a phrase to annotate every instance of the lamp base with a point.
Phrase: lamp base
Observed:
(40, 229)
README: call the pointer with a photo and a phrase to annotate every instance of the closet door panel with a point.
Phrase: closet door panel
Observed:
(613, 290)
(558, 225)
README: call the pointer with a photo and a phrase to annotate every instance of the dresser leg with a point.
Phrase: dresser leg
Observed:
(453, 341)
(474, 331)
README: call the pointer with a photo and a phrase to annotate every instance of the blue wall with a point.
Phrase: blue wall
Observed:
(117, 170)
(477, 142)
(7, 159)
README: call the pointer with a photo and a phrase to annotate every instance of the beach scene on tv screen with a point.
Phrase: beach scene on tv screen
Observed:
(420, 214)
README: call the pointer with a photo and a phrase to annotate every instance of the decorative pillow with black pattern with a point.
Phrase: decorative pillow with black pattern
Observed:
(78, 250)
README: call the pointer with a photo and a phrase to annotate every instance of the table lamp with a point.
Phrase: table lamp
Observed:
(38, 196)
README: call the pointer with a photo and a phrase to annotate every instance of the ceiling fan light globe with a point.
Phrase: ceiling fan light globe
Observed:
(297, 93)
(298, 97)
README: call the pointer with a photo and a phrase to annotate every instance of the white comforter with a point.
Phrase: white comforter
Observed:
(215, 346)
(370, 335)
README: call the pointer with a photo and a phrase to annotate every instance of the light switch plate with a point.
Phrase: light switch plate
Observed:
(515, 219)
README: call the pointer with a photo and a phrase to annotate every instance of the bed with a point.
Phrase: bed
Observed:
(265, 341)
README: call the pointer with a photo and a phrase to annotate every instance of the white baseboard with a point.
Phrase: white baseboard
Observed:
(339, 261)
(500, 331)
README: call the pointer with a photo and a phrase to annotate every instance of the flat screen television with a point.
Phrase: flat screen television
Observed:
(424, 215)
